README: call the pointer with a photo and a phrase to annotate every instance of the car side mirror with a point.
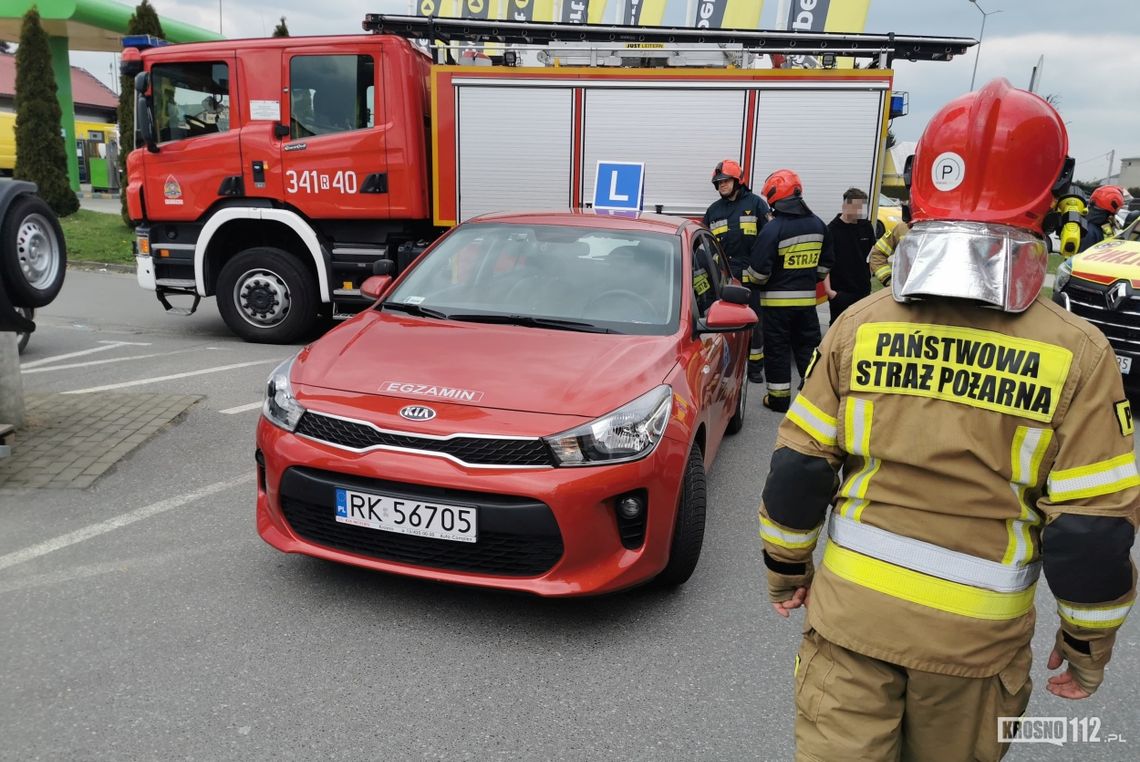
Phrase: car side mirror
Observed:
(726, 317)
(375, 286)
(735, 294)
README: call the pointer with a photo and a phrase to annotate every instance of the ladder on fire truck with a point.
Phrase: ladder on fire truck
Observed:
(563, 44)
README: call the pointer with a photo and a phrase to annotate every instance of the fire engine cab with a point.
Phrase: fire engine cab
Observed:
(273, 173)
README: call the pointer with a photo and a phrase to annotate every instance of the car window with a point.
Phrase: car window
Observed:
(190, 100)
(705, 274)
(625, 280)
(330, 94)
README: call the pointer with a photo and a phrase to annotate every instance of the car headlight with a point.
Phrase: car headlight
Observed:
(1064, 272)
(628, 433)
(281, 407)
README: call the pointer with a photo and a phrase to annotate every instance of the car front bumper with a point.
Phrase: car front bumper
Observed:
(548, 531)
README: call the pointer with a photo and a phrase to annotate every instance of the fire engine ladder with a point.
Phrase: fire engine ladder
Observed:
(637, 41)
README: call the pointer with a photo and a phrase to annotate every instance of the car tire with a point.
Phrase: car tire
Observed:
(266, 296)
(736, 423)
(33, 253)
(689, 527)
(23, 336)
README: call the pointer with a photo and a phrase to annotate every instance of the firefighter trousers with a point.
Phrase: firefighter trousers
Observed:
(852, 707)
(756, 343)
(789, 333)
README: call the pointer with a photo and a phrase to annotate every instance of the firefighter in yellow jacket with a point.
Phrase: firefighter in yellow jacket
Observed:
(970, 436)
(879, 257)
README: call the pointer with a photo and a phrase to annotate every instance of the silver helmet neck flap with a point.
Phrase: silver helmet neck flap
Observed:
(997, 265)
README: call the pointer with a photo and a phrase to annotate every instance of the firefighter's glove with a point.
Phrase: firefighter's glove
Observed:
(1086, 659)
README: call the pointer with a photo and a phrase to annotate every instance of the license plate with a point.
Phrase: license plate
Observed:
(1125, 363)
(393, 514)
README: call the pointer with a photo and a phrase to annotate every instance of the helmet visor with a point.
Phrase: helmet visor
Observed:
(998, 265)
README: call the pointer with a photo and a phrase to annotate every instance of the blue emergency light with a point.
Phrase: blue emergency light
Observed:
(143, 41)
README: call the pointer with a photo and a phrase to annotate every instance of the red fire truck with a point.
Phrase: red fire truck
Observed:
(272, 173)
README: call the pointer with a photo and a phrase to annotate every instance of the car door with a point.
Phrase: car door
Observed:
(334, 159)
(715, 348)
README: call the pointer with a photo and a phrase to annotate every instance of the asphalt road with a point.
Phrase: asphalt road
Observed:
(169, 630)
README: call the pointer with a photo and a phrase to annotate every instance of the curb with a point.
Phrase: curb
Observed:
(101, 267)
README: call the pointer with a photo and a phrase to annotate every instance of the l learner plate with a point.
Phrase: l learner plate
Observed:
(1125, 363)
(391, 514)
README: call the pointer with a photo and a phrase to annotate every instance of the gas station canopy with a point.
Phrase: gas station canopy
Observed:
(90, 24)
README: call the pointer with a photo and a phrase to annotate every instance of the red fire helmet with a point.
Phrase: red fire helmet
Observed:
(728, 170)
(993, 155)
(782, 184)
(1108, 197)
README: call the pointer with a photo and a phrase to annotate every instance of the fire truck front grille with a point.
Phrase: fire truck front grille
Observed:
(475, 451)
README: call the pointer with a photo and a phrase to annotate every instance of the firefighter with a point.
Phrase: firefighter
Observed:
(879, 258)
(788, 260)
(735, 219)
(983, 436)
(852, 236)
(1100, 222)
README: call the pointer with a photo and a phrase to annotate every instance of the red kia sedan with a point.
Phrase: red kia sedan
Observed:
(532, 405)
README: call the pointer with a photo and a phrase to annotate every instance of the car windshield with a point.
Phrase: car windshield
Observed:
(888, 201)
(549, 276)
(1132, 232)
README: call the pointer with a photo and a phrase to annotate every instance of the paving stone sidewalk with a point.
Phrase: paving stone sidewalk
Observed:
(70, 440)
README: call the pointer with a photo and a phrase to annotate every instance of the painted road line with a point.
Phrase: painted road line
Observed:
(90, 363)
(118, 522)
(157, 379)
(242, 408)
(105, 345)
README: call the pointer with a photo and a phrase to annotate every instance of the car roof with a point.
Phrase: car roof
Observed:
(633, 222)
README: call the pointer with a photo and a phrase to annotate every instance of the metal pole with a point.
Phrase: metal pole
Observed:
(690, 13)
(1111, 159)
(220, 17)
(978, 52)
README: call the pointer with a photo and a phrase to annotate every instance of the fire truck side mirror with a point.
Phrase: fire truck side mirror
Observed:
(145, 133)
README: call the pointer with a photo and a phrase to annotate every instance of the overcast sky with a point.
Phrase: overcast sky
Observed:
(1091, 49)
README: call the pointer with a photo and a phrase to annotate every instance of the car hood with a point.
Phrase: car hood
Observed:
(1109, 261)
(493, 366)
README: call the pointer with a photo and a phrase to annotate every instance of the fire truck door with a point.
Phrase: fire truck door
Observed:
(198, 148)
(333, 160)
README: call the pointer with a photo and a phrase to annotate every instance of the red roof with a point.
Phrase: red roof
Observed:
(86, 90)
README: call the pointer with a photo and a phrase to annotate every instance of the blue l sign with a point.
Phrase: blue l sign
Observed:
(619, 185)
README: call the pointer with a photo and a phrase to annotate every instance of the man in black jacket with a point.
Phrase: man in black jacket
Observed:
(736, 219)
(790, 257)
(852, 236)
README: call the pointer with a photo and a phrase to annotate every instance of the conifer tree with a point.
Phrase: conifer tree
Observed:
(40, 152)
(281, 30)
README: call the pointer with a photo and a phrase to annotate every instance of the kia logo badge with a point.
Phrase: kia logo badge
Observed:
(417, 413)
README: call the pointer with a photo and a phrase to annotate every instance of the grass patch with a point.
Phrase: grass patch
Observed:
(97, 237)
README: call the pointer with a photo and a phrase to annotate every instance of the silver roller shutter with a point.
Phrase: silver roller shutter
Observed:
(514, 149)
(829, 137)
(680, 135)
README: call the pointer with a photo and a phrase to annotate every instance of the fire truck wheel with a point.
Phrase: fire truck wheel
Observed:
(265, 295)
(689, 528)
(33, 254)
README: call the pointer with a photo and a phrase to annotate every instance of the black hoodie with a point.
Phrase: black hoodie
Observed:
(851, 242)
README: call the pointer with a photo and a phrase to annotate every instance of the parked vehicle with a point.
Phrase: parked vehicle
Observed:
(533, 405)
(271, 173)
(1102, 285)
(33, 257)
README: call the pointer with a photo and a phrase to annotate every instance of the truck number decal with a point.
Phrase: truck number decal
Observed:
(312, 181)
